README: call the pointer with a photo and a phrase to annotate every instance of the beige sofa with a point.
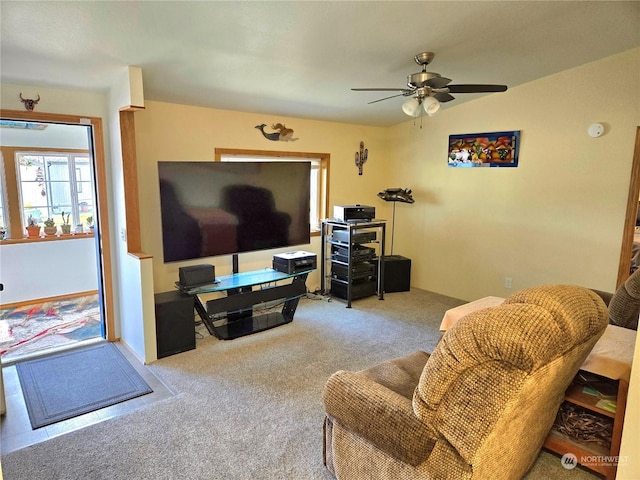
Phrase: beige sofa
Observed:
(480, 406)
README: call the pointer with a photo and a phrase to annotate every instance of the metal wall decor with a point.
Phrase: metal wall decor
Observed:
(282, 133)
(402, 195)
(361, 157)
(29, 103)
(397, 195)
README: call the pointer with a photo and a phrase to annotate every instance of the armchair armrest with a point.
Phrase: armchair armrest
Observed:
(605, 296)
(379, 415)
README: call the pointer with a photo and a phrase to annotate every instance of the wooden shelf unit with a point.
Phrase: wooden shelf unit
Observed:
(593, 456)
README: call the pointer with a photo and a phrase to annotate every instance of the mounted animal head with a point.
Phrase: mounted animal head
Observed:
(29, 103)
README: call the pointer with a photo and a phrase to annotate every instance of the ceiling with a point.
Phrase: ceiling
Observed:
(300, 58)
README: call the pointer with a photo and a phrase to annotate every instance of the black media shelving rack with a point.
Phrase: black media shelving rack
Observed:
(350, 260)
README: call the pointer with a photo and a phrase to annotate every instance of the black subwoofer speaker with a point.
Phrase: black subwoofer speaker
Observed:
(175, 326)
(397, 273)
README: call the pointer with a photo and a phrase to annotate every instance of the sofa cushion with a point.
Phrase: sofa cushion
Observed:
(399, 374)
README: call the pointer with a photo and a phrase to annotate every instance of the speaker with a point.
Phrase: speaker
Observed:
(196, 275)
(175, 326)
(358, 290)
(397, 273)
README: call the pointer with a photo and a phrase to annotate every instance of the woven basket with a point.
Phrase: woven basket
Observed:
(584, 425)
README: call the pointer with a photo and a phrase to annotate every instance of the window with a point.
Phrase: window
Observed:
(319, 175)
(51, 184)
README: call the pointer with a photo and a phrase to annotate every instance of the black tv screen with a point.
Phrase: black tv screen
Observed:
(221, 208)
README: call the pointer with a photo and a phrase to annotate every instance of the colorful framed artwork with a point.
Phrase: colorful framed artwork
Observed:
(496, 149)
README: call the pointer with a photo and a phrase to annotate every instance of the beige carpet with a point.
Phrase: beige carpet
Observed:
(250, 408)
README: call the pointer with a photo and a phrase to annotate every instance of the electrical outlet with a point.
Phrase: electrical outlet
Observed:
(507, 282)
(123, 234)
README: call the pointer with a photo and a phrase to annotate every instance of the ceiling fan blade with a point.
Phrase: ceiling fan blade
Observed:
(438, 82)
(443, 97)
(473, 88)
(379, 89)
(387, 98)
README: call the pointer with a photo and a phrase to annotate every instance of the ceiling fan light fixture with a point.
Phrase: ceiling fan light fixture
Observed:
(429, 89)
(431, 106)
(411, 107)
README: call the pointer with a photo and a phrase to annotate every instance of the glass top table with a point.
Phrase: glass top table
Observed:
(240, 299)
(239, 280)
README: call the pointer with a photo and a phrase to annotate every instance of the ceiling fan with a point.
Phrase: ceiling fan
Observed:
(429, 89)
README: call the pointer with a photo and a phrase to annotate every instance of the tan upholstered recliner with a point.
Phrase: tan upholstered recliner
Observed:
(624, 305)
(480, 406)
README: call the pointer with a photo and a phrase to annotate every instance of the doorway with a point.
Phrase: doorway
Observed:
(69, 177)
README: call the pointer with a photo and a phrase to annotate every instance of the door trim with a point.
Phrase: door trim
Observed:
(624, 265)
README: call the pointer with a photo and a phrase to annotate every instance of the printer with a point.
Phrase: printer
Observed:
(295, 262)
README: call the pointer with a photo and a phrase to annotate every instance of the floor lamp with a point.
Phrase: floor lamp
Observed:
(396, 195)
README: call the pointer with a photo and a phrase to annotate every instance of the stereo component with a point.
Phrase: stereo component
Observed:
(358, 290)
(359, 272)
(357, 236)
(359, 253)
(352, 213)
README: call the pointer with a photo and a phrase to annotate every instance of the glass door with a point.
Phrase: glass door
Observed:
(58, 301)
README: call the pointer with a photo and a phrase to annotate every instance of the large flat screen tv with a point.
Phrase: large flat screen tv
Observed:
(222, 208)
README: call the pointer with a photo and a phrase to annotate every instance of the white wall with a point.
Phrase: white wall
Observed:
(53, 136)
(138, 331)
(629, 467)
(135, 279)
(47, 269)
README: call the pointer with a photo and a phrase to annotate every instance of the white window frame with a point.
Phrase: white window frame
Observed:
(72, 180)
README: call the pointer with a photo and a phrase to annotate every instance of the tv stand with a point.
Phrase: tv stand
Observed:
(235, 264)
(242, 292)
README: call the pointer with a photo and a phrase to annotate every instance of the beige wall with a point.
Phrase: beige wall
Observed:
(69, 101)
(556, 218)
(167, 131)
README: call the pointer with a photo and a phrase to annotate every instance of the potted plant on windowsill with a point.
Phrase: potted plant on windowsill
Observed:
(90, 223)
(66, 225)
(50, 227)
(33, 229)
